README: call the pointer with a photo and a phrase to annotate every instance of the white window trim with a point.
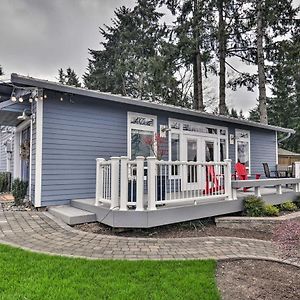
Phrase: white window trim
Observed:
(17, 140)
(203, 135)
(248, 140)
(131, 126)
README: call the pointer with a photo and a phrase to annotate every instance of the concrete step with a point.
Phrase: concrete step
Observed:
(72, 215)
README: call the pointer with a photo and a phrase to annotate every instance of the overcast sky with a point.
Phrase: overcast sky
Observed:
(40, 36)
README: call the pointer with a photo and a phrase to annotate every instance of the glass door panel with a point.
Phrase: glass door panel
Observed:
(192, 155)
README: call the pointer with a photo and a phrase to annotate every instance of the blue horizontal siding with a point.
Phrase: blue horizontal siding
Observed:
(75, 134)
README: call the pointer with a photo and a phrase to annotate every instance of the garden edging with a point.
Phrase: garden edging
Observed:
(265, 224)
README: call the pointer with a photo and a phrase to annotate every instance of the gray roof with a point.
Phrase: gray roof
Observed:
(287, 152)
(34, 82)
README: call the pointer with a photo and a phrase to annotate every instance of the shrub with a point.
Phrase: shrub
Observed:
(5, 182)
(297, 201)
(19, 190)
(253, 206)
(271, 210)
(288, 205)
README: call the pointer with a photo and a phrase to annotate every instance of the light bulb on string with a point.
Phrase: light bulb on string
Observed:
(21, 99)
(13, 99)
(61, 99)
(45, 96)
(36, 99)
(30, 100)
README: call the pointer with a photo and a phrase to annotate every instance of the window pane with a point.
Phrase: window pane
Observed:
(138, 145)
(243, 152)
(222, 150)
(209, 151)
(175, 147)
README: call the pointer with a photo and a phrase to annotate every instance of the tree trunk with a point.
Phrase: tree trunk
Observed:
(262, 99)
(222, 58)
(197, 64)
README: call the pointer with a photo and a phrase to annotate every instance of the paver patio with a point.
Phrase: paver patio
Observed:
(40, 232)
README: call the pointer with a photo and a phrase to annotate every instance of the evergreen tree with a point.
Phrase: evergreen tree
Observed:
(284, 105)
(266, 21)
(193, 29)
(233, 113)
(1, 71)
(69, 77)
(136, 59)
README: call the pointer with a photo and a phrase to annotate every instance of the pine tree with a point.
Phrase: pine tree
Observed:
(68, 78)
(266, 21)
(233, 113)
(1, 71)
(136, 59)
(284, 105)
(192, 33)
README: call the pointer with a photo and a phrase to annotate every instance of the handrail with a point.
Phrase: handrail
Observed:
(263, 182)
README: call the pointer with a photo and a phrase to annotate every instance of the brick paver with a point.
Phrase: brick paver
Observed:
(41, 232)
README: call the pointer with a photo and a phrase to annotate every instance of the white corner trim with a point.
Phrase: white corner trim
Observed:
(276, 141)
(38, 154)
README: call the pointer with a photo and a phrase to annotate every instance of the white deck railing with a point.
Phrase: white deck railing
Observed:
(145, 184)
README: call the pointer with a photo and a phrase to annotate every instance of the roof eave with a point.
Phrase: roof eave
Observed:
(29, 81)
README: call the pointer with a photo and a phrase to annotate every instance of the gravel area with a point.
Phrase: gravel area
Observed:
(256, 279)
(198, 228)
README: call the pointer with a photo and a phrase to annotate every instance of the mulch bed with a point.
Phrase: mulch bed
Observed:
(198, 228)
(256, 279)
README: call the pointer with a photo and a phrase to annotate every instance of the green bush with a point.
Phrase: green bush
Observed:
(271, 210)
(288, 206)
(254, 206)
(297, 201)
(19, 190)
(5, 182)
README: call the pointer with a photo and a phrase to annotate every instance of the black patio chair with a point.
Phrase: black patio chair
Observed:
(268, 173)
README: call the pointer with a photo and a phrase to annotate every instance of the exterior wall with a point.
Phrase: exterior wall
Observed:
(33, 152)
(4, 137)
(78, 130)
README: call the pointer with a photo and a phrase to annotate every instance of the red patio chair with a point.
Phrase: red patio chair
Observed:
(242, 173)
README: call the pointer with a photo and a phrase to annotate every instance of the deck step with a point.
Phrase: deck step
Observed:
(72, 215)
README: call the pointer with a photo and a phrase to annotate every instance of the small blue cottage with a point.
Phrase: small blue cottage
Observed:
(52, 134)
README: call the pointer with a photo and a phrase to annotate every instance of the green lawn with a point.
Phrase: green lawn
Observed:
(25, 275)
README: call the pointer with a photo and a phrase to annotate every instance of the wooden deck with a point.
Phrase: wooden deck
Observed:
(174, 213)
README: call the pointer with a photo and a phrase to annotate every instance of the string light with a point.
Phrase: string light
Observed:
(13, 99)
(21, 99)
(61, 99)
(30, 100)
(45, 96)
(36, 99)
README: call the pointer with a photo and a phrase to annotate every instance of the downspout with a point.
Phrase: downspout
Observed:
(284, 138)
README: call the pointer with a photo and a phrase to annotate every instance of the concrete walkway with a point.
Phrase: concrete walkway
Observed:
(39, 232)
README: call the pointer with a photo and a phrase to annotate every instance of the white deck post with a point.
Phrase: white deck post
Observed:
(114, 203)
(227, 179)
(257, 191)
(140, 183)
(124, 183)
(99, 180)
(151, 163)
(279, 189)
(297, 175)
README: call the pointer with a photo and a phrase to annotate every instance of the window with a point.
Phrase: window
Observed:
(175, 152)
(242, 149)
(140, 129)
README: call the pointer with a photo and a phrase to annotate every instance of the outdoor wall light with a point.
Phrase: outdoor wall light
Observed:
(25, 115)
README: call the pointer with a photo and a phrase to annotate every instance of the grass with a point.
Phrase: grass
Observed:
(25, 275)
